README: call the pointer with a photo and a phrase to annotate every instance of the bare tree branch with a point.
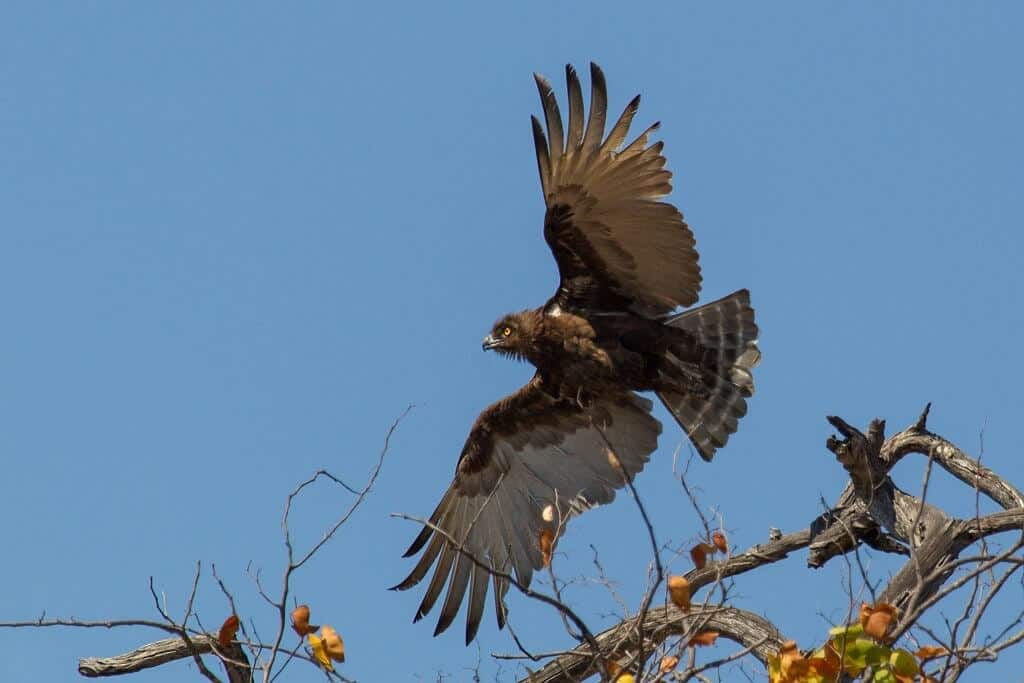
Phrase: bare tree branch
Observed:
(746, 628)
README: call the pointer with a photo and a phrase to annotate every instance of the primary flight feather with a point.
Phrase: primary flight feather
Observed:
(570, 437)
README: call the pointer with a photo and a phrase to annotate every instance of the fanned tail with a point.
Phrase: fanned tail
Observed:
(721, 380)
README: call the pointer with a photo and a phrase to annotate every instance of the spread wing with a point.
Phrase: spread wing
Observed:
(617, 247)
(530, 462)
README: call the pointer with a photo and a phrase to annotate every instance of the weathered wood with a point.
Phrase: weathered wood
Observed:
(870, 510)
(236, 664)
(619, 642)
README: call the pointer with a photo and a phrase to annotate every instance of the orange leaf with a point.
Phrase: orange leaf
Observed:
(865, 612)
(320, 652)
(878, 620)
(612, 667)
(792, 664)
(718, 538)
(668, 663)
(333, 643)
(699, 554)
(679, 591)
(830, 661)
(930, 652)
(704, 638)
(824, 668)
(547, 544)
(227, 631)
(300, 621)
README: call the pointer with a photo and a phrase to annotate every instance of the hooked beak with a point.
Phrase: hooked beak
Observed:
(491, 342)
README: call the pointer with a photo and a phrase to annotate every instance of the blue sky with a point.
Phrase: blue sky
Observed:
(236, 240)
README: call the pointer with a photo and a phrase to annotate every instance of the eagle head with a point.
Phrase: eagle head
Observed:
(511, 335)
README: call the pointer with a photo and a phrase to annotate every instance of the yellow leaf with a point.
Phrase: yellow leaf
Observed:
(333, 643)
(320, 652)
(625, 678)
(679, 591)
(227, 631)
(792, 664)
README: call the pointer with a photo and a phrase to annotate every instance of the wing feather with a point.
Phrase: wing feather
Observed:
(575, 138)
(477, 600)
(552, 116)
(456, 591)
(425, 563)
(444, 567)
(598, 110)
(621, 128)
(525, 454)
(543, 158)
(617, 247)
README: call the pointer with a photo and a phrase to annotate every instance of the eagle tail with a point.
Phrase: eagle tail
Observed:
(717, 386)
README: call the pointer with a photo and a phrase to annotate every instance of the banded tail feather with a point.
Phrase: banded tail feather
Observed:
(727, 334)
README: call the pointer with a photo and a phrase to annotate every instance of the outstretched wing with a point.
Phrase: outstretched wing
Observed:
(530, 462)
(616, 246)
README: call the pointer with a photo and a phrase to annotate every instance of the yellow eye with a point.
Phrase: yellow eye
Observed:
(506, 332)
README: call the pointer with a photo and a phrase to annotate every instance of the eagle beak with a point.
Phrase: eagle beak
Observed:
(491, 342)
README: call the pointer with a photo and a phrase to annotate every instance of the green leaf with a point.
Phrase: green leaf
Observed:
(877, 654)
(884, 676)
(855, 655)
(850, 631)
(903, 663)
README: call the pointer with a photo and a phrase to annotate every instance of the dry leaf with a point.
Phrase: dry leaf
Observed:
(333, 643)
(718, 538)
(699, 555)
(679, 591)
(320, 652)
(865, 612)
(227, 631)
(547, 544)
(668, 663)
(612, 667)
(300, 621)
(704, 638)
(876, 620)
(791, 662)
(930, 652)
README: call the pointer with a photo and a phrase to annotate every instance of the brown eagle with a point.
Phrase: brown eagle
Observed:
(566, 440)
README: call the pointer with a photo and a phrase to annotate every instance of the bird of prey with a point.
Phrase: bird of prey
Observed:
(571, 436)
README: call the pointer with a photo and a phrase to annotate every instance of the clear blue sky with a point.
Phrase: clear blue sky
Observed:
(236, 240)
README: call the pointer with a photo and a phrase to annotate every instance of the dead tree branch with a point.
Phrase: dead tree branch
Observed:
(618, 642)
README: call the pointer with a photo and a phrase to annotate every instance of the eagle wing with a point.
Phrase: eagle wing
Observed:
(530, 462)
(617, 247)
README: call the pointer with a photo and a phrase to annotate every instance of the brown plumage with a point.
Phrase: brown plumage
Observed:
(565, 441)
